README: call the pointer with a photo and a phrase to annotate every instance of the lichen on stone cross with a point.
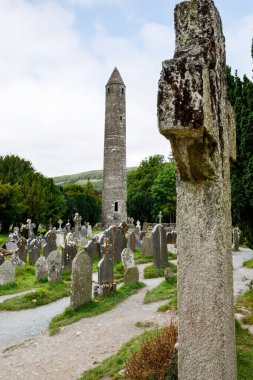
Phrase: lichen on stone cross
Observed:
(195, 115)
(193, 110)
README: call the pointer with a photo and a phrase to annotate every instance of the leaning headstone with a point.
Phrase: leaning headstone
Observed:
(54, 267)
(81, 280)
(132, 241)
(41, 268)
(93, 249)
(34, 251)
(21, 250)
(50, 245)
(194, 113)
(7, 273)
(146, 247)
(159, 246)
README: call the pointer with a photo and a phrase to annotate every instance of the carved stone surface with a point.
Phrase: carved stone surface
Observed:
(195, 115)
(127, 258)
(41, 268)
(50, 246)
(54, 267)
(81, 277)
(93, 249)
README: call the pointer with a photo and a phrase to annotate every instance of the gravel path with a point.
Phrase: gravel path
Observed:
(80, 346)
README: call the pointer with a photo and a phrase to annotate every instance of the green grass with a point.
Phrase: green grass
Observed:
(165, 290)
(152, 272)
(118, 271)
(24, 280)
(246, 301)
(244, 349)
(43, 296)
(172, 256)
(3, 238)
(248, 264)
(139, 259)
(95, 307)
(112, 365)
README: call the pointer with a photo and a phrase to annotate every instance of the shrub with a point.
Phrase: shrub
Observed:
(157, 358)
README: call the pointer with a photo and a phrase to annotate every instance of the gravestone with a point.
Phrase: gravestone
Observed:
(93, 249)
(50, 245)
(16, 261)
(81, 280)
(54, 267)
(21, 250)
(236, 235)
(132, 241)
(146, 247)
(7, 273)
(127, 258)
(131, 275)
(34, 251)
(77, 220)
(69, 251)
(194, 113)
(1, 259)
(11, 244)
(142, 234)
(105, 270)
(29, 227)
(89, 231)
(159, 246)
(160, 216)
(41, 268)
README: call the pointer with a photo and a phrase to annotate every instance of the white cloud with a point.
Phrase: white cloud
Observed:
(52, 85)
(238, 39)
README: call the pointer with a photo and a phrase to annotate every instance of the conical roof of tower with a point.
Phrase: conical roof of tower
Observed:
(115, 78)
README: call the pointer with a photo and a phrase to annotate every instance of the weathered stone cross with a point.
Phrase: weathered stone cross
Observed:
(195, 115)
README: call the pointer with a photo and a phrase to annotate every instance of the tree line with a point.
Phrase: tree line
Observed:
(26, 193)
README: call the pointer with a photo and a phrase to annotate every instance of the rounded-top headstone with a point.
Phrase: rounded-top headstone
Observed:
(81, 287)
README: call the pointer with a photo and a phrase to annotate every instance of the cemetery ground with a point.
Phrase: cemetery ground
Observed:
(92, 340)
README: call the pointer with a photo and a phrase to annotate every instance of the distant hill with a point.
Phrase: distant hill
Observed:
(95, 176)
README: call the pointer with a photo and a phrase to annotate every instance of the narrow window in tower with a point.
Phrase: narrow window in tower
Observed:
(108, 90)
(116, 206)
(122, 91)
(121, 118)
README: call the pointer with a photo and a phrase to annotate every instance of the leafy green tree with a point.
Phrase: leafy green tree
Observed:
(152, 188)
(164, 193)
(240, 94)
(77, 200)
(11, 204)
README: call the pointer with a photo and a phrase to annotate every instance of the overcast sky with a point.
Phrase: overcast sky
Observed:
(56, 57)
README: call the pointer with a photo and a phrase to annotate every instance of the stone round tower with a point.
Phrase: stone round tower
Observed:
(114, 177)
